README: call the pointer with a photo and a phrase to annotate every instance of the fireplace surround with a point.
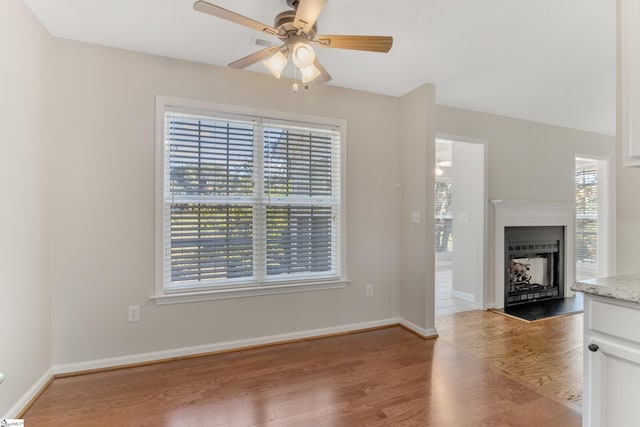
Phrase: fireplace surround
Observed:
(518, 213)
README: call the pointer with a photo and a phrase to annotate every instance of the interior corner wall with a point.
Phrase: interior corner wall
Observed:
(102, 224)
(416, 177)
(525, 160)
(25, 331)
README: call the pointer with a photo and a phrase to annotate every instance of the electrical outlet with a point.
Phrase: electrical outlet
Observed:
(134, 313)
(369, 289)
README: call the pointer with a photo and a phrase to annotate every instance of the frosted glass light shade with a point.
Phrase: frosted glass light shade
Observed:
(303, 55)
(276, 63)
(309, 73)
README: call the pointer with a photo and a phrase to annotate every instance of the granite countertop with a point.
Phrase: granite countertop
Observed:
(624, 287)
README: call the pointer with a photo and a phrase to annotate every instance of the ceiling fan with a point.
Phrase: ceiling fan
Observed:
(297, 29)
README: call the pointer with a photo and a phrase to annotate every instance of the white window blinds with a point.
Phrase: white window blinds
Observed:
(587, 216)
(249, 200)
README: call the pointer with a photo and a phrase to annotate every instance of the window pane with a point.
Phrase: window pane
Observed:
(210, 157)
(299, 239)
(443, 237)
(211, 242)
(587, 217)
(297, 162)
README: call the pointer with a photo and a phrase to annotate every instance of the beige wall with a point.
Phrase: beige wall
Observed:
(468, 200)
(102, 219)
(416, 141)
(25, 314)
(525, 160)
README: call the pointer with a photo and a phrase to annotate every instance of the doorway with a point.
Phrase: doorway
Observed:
(459, 234)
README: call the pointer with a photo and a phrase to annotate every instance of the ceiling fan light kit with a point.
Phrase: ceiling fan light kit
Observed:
(303, 55)
(297, 30)
(309, 73)
(276, 64)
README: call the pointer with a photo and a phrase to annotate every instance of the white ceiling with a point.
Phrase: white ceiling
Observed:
(550, 61)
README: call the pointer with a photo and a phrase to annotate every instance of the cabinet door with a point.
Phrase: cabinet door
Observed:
(615, 383)
(630, 80)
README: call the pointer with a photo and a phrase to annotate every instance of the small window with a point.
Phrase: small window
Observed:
(592, 218)
(443, 235)
(247, 201)
(587, 215)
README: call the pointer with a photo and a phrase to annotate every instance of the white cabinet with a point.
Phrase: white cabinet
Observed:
(611, 362)
(629, 24)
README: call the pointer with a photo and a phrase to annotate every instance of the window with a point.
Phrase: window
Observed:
(592, 218)
(587, 217)
(249, 202)
(443, 237)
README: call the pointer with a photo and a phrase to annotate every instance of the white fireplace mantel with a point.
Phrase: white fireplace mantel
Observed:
(526, 213)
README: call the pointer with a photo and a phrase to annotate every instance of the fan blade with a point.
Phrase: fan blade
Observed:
(307, 13)
(324, 75)
(211, 9)
(368, 43)
(253, 58)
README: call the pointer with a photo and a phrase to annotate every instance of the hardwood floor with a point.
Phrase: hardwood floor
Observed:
(545, 354)
(387, 377)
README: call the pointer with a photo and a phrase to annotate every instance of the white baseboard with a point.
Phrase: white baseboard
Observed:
(420, 331)
(463, 295)
(203, 349)
(29, 395)
(211, 348)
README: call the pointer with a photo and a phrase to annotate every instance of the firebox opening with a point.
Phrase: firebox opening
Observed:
(534, 264)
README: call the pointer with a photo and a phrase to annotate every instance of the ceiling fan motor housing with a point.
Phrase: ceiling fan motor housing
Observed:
(284, 24)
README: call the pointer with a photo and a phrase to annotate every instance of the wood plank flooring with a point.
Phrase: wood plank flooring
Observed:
(545, 354)
(386, 377)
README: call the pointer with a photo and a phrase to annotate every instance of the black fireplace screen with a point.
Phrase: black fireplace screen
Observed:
(534, 264)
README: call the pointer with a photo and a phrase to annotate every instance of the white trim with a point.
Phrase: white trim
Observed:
(606, 213)
(228, 293)
(122, 361)
(33, 391)
(481, 300)
(431, 332)
(228, 345)
(463, 295)
(518, 213)
(163, 296)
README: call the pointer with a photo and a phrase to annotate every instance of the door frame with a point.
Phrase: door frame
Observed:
(480, 293)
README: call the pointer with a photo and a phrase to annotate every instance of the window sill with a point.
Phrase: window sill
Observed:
(253, 291)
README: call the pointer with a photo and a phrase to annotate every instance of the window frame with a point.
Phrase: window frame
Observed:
(580, 231)
(270, 286)
(605, 217)
(449, 180)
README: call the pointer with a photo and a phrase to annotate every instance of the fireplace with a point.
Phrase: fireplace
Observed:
(524, 214)
(534, 264)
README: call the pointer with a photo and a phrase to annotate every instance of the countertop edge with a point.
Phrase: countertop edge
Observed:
(622, 293)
